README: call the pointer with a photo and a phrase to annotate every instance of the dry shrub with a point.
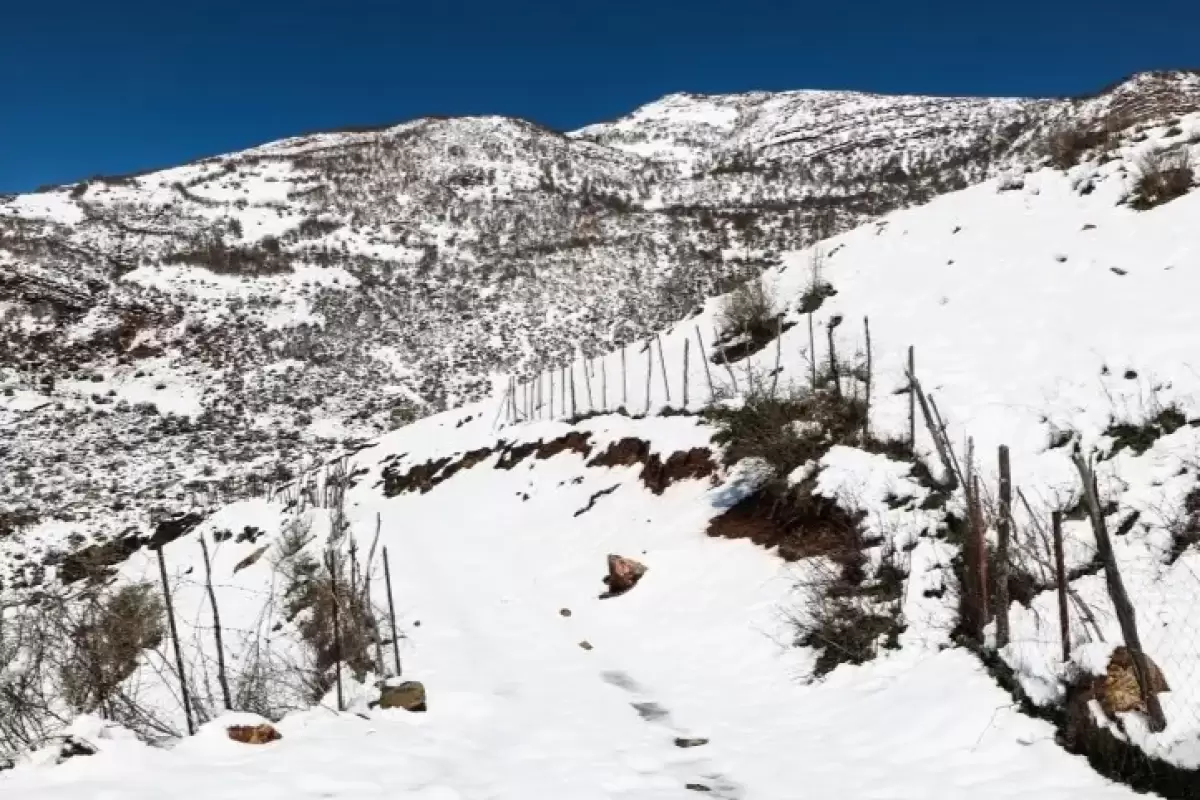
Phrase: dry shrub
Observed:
(1162, 176)
(789, 428)
(107, 639)
(316, 593)
(750, 308)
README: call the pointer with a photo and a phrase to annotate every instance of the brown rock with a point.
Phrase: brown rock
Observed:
(586, 645)
(1120, 692)
(623, 575)
(254, 734)
(566, 612)
(409, 695)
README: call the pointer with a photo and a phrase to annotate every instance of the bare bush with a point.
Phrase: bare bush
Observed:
(107, 637)
(751, 308)
(1161, 177)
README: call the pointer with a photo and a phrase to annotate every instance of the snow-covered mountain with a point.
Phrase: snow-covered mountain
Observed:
(210, 326)
(1045, 308)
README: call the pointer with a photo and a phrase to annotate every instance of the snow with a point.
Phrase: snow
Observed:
(482, 565)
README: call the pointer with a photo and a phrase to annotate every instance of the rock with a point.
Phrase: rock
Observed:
(623, 575)
(1120, 692)
(697, 742)
(254, 734)
(698, 787)
(566, 612)
(585, 644)
(409, 695)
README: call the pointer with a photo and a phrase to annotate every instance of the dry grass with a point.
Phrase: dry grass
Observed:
(1161, 177)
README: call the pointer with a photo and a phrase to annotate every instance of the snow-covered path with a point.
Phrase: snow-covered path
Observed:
(483, 566)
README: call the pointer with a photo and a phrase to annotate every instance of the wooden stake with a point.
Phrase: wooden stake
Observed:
(624, 381)
(387, 577)
(574, 406)
(712, 392)
(551, 394)
(778, 355)
(603, 386)
(1003, 531)
(222, 675)
(812, 354)
(1060, 577)
(866, 432)
(912, 400)
(1116, 591)
(587, 383)
(331, 562)
(686, 347)
(170, 606)
(649, 371)
(662, 362)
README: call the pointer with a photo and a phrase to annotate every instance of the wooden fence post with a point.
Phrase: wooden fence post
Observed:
(551, 394)
(1003, 532)
(1060, 579)
(712, 392)
(331, 563)
(1116, 591)
(562, 380)
(649, 371)
(387, 577)
(812, 354)
(170, 607)
(574, 405)
(222, 675)
(662, 363)
(587, 383)
(912, 400)
(778, 355)
(686, 347)
(866, 432)
(624, 381)
(603, 386)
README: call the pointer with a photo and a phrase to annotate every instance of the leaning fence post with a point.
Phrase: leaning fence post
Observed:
(1060, 576)
(662, 362)
(1116, 590)
(712, 393)
(170, 606)
(387, 577)
(778, 355)
(1003, 532)
(222, 675)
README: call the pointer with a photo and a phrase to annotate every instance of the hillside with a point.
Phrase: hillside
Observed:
(800, 611)
(202, 331)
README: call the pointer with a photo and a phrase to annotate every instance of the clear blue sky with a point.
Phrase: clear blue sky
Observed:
(107, 86)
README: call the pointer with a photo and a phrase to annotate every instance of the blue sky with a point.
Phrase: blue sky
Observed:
(91, 87)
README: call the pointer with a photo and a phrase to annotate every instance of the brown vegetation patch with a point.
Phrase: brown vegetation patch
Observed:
(682, 465)
(623, 453)
(796, 520)
(575, 441)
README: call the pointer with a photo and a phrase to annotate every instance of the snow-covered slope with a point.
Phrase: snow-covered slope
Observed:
(1038, 303)
(204, 329)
